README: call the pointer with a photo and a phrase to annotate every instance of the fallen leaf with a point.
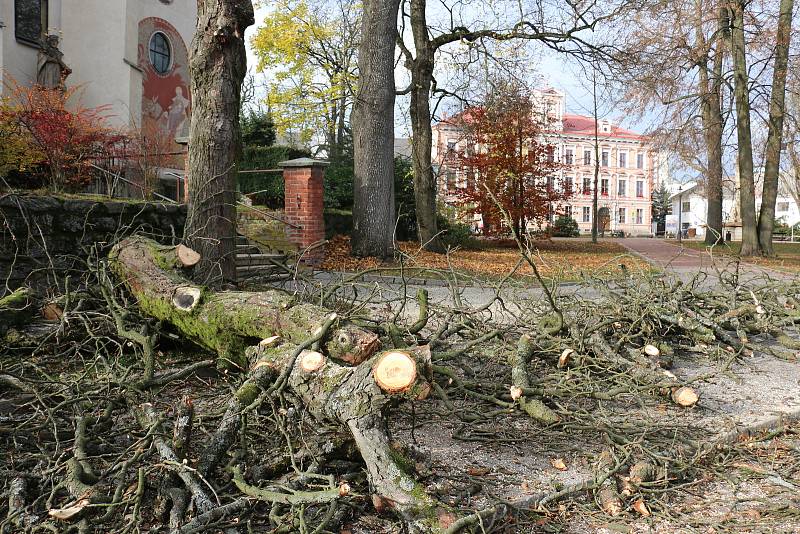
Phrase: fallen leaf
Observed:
(478, 471)
(641, 507)
(559, 464)
(68, 511)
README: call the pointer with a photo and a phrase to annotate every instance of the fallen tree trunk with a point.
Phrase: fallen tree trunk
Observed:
(226, 322)
(329, 367)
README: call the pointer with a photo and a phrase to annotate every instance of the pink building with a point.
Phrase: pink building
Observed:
(629, 167)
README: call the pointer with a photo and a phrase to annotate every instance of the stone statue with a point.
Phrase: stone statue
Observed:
(52, 71)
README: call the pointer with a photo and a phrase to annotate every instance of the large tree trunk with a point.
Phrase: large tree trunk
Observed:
(373, 132)
(712, 131)
(218, 64)
(772, 157)
(342, 383)
(747, 199)
(225, 322)
(421, 68)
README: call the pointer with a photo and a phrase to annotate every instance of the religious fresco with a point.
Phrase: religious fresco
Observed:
(164, 59)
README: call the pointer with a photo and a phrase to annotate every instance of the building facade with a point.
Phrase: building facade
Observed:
(130, 56)
(689, 208)
(630, 168)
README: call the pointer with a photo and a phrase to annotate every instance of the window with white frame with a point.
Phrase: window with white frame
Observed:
(622, 187)
(587, 185)
(639, 216)
(587, 214)
(640, 161)
(568, 211)
(568, 156)
(623, 159)
(604, 186)
(604, 158)
(587, 157)
(782, 207)
(686, 206)
(639, 189)
(621, 215)
(451, 144)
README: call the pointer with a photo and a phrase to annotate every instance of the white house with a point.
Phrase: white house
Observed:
(690, 207)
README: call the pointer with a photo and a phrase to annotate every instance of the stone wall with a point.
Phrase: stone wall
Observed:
(264, 227)
(45, 239)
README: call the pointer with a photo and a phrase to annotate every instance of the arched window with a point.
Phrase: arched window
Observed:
(160, 53)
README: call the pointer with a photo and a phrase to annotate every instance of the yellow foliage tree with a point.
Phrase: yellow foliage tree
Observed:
(17, 152)
(310, 52)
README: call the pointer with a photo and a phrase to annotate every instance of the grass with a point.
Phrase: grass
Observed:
(564, 260)
(787, 255)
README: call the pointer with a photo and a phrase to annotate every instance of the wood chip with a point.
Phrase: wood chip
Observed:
(652, 350)
(186, 256)
(68, 512)
(565, 358)
(685, 396)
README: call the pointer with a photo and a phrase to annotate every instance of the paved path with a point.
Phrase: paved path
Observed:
(688, 261)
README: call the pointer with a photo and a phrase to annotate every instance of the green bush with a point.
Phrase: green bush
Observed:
(565, 226)
(405, 208)
(339, 185)
(455, 233)
(269, 185)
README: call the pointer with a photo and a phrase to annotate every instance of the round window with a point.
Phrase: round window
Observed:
(160, 53)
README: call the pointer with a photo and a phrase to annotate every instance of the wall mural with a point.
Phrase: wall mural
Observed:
(166, 101)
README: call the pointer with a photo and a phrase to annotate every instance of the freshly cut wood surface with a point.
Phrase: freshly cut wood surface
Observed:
(395, 372)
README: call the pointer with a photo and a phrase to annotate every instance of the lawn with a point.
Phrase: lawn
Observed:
(561, 259)
(787, 255)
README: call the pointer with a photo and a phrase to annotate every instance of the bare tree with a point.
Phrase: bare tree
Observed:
(674, 60)
(553, 26)
(218, 66)
(373, 131)
(747, 201)
(777, 111)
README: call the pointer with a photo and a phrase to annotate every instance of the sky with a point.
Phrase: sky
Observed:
(556, 70)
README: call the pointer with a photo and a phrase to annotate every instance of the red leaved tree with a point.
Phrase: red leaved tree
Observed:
(502, 152)
(66, 135)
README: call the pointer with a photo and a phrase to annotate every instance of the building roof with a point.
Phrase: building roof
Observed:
(582, 125)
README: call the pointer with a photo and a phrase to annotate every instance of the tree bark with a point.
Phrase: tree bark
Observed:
(225, 322)
(777, 108)
(218, 64)
(344, 384)
(373, 132)
(747, 200)
(421, 68)
(712, 128)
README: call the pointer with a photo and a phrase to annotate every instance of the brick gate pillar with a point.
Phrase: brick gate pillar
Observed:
(303, 181)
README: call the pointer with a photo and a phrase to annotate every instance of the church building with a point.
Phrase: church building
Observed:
(130, 56)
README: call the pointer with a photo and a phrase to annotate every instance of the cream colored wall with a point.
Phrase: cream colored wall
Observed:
(99, 39)
(16, 59)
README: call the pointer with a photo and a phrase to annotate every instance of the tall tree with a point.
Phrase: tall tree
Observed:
(710, 71)
(373, 131)
(553, 26)
(777, 111)
(310, 49)
(747, 199)
(218, 64)
(673, 61)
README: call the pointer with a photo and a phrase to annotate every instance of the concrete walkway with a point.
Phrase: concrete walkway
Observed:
(687, 261)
